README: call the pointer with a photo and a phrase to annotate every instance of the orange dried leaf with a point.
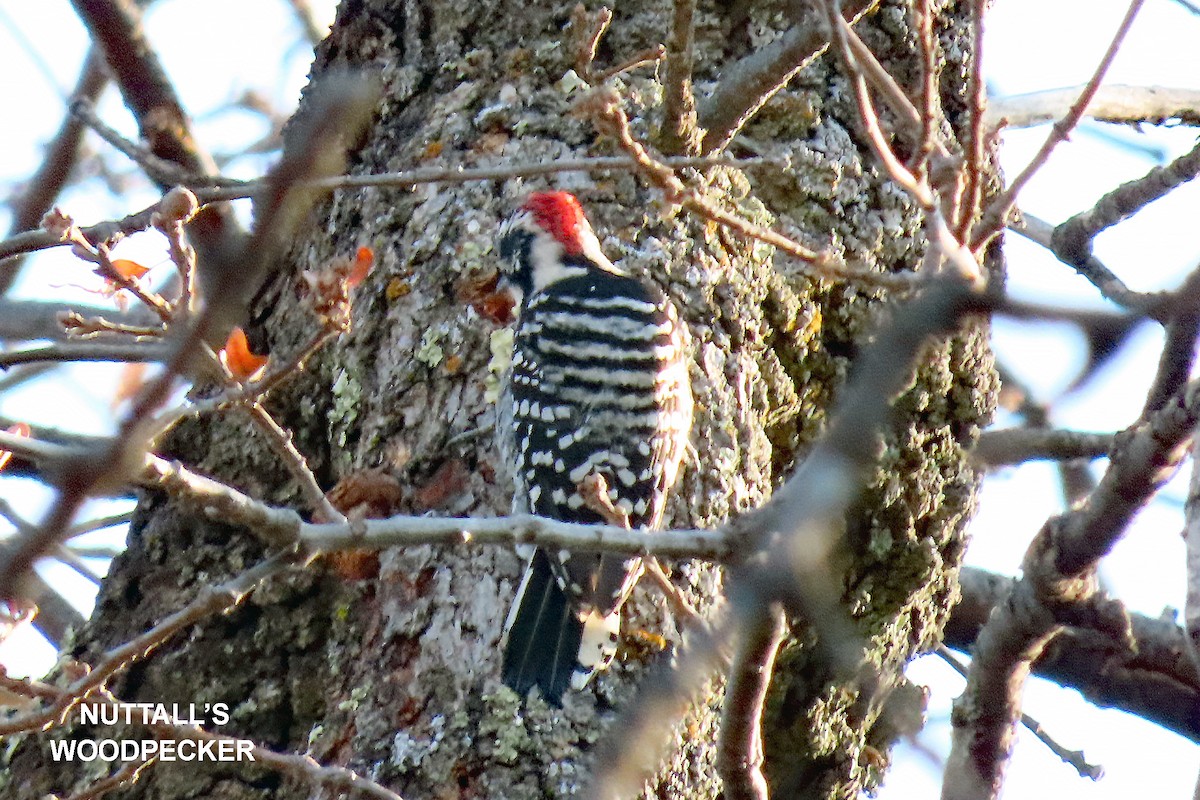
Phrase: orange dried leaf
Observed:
(128, 382)
(363, 259)
(19, 429)
(237, 357)
(129, 270)
(497, 307)
(449, 481)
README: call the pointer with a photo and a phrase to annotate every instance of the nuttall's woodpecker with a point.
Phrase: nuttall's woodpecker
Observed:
(598, 386)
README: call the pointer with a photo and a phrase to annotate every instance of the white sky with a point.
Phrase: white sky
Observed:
(1031, 45)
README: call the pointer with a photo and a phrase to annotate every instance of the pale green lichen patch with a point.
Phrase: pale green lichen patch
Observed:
(429, 352)
(500, 343)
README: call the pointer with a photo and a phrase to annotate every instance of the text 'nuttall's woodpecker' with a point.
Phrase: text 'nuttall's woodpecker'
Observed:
(598, 386)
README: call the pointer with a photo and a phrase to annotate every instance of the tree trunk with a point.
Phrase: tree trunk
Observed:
(390, 665)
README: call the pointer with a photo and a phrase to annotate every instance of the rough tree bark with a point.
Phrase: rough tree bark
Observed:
(389, 665)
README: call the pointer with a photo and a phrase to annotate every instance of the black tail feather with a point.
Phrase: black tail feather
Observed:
(543, 638)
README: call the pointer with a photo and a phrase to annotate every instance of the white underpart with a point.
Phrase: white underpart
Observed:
(598, 646)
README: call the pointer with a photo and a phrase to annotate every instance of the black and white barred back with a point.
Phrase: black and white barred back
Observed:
(598, 386)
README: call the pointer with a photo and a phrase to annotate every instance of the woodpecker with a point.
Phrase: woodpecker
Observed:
(598, 386)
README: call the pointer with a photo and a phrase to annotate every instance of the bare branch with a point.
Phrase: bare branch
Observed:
(590, 30)
(209, 601)
(113, 231)
(746, 86)
(81, 327)
(44, 186)
(679, 133)
(1090, 268)
(858, 62)
(843, 35)
(277, 527)
(1058, 575)
(1072, 240)
(124, 351)
(1153, 680)
(740, 752)
(340, 107)
(923, 22)
(1179, 346)
(1118, 103)
(976, 139)
(1074, 758)
(39, 319)
(115, 27)
(281, 443)
(1191, 539)
(161, 170)
(1018, 445)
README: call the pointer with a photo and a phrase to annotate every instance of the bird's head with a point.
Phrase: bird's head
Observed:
(547, 239)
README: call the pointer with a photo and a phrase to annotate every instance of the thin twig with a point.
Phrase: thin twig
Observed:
(923, 15)
(160, 170)
(841, 35)
(651, 55)
(994, 216)
(604, 106)
(99, 254)
(21, 320)
(99, 523)
(82, 327)
(976, 137)
(113, 231)
(1090, 268)
(855, 56)
(281, 442)
(1073, 758)
(1072, 240)
(209, 601)
(591, 30)
(123, 778)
